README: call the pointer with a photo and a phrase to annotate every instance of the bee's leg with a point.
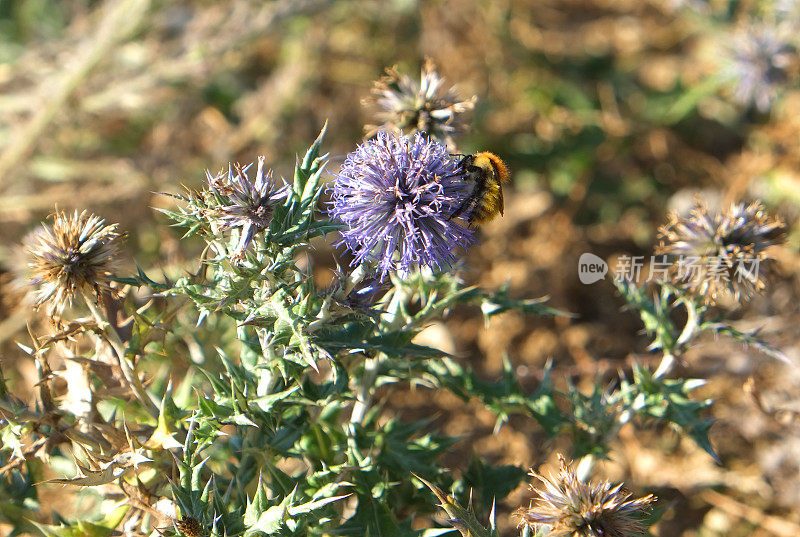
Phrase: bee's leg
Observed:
(461, 210)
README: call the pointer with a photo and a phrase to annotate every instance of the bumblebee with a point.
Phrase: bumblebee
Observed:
(487, 173)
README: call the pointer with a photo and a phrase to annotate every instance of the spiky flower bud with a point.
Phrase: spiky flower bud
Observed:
(405, 106)
(76, 255)
(568, 507)
(241, 203)
(722, 253)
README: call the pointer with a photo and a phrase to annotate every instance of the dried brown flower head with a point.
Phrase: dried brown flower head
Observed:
(188, 526)
(569, 507)
(405, 106)
(722, 253)
(76, 255)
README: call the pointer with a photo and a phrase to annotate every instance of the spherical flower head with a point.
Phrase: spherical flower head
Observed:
(76, 255)
(760, 64)
(242, 203)
(568, 507)
(722, 253)
(395, 195)
(407, 106)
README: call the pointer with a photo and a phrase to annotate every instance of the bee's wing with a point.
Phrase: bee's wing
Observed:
(500, 195)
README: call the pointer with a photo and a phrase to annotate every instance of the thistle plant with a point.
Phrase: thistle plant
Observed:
(709, 255)
(307, 447)
(242, 397)
(755, 61)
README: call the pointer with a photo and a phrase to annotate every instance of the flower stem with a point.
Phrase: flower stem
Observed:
(118, 347)
(364, 396)
(392, 319)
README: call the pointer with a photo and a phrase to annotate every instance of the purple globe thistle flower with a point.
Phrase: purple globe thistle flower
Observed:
(407, 106)
(75, 256)
(240, 202)
(569, 507)
(395, 195)
(722, 253)
(761, 60)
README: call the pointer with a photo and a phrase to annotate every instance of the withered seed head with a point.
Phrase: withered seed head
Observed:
(722, 253)
(406, 106)
(569, 507)
(77, 254)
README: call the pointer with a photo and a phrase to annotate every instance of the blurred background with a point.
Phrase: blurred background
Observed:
(610, 114)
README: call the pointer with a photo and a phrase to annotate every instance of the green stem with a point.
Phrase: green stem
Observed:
(392, 318)
(118, 347)
(364, 396)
